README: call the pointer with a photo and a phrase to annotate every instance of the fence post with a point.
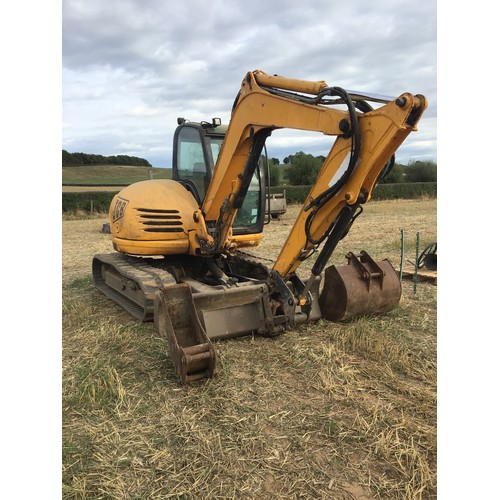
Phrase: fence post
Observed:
(415, 278)
(402, 255)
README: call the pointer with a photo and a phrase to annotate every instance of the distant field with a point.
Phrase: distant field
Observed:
(84, 189)
(111, 174)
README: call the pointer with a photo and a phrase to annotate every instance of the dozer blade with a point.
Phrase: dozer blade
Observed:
(192, 353)
(361, 287)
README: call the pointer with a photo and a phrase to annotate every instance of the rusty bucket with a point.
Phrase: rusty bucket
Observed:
(361, 287)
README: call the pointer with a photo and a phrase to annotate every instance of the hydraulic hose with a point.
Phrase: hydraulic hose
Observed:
(322, 199)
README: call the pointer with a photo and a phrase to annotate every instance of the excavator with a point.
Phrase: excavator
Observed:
(183, 245)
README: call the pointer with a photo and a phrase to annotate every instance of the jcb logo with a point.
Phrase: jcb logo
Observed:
(119, 209)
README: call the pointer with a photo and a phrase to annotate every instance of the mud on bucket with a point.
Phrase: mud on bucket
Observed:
(363, 286)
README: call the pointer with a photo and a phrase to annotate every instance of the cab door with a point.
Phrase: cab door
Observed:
(194, 156)
(192, 161)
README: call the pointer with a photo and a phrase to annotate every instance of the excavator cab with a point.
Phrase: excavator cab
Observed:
(195, 151)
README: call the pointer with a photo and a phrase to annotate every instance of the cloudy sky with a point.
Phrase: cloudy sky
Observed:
(131, 67)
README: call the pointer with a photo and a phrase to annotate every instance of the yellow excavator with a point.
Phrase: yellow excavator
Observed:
(179, 260)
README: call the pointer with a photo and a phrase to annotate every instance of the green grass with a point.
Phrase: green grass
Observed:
(111, 174)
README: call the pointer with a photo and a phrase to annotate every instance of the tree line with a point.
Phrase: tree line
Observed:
(301, 169)
(81, 159)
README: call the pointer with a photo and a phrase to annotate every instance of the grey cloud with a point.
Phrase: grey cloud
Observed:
(131, 66)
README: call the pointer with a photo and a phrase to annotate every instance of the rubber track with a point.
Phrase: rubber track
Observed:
(150, 275)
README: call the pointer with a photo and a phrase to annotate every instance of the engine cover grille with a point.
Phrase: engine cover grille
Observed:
(160, 221)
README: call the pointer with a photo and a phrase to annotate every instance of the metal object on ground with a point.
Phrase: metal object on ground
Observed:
(430, 262)
(192, 353)
(428, 258)
(363, 286)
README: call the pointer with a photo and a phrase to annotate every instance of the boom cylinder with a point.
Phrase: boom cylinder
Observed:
(292, 84)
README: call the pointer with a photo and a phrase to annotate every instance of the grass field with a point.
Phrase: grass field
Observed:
(328, 411)
(111, 174)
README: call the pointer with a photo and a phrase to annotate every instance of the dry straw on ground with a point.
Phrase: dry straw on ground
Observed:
(333, 411)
